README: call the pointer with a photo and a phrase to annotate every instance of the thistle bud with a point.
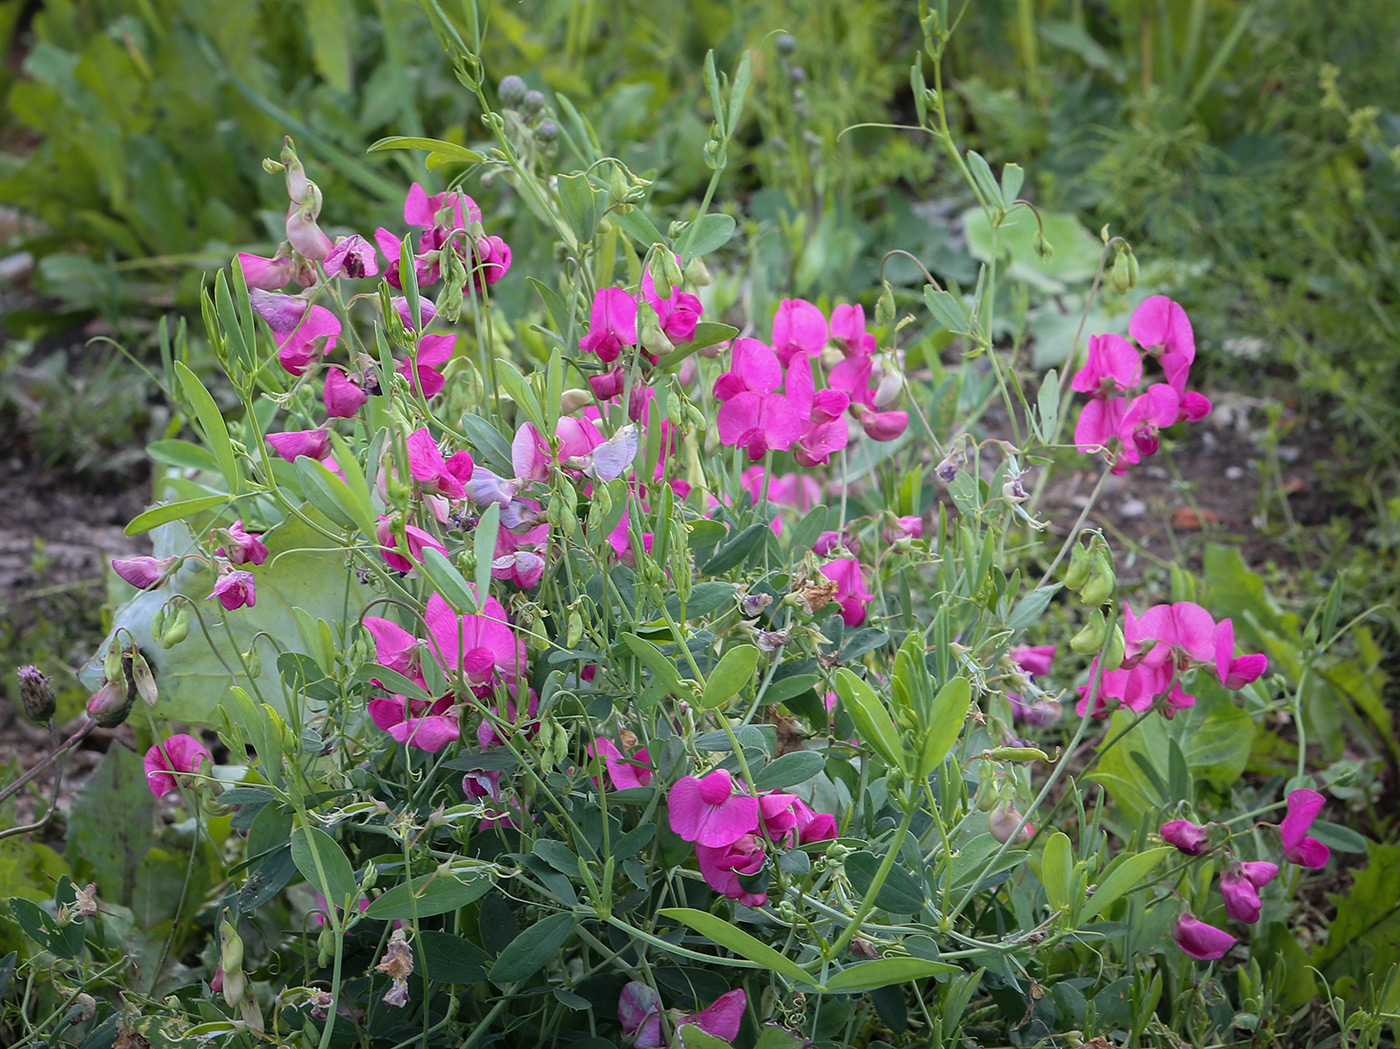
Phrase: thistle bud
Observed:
(547, 132)
(36, 694)
(1091, 636)
(512, 91)
(532, 102)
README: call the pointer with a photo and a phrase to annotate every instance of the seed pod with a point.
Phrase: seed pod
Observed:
(575, 630)
(1113, 651)
(1118, 276)
(1091, 636)
(143, 679)
(1101, 582)
(177, 628)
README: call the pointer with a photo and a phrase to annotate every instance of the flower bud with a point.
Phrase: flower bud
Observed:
(547, 132)
(512, 91)
(1188, 837)
(111, 703)
(1118, 276)
(1101, 582)
(1113, 652)
(890, 388)
(296, 174)
(176, 628)
(36, 694)
(532, 102)
(698, 273)
(1092, 635)
(142, 678)
(1003, 820)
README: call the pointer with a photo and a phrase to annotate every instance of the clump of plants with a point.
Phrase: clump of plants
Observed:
(610, 674)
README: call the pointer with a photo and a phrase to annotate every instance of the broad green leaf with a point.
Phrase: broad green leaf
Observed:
(450, 150)
(323, 863)
(169, 512)
(1075, 257)
(427, 895)
(658, 663)
(1056, 869)
(733, 552)
(582, 204)
(735, 671)
(740, 942)
(490, 446)
(901, 892)
(950, 709)
(708, 233)
(185, 454)
(1368, 916)
(304, 570)
(211, 425)
(448, 582)
(328, 493)
(1048, 403)
(871, 719)
(527, 953)
(885, 972)
(111, 827)
(790, 769)
(1124, 875)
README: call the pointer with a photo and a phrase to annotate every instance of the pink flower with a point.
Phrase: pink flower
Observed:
(1033, 659)
(911, 527)
(821, 415)
(342, 395)
(1200, 940)
(884, 426)
(612, 324)
(292, 444)
(142, 572)
(709, 813)
(608, 385)
(432, 475)
(418, 541)
(639, 1011)
(352, 257)
(677, 315)
(396, 648)
(851, 593)
(1113, 366)
(479, 649)
(1184, 632)
(272, 274)
(1189, 837)
(524, 568)
(416, 723)
(848, 331)
(235, 590)
(1298, 846)
(1161, 326)
(492, 257)
(1240, 885)
(620, 540)
(1235, 672)
(181, 755)
(243, 547)
(721, 1017)
(758, 422)
(296, 327)
(422, 372)
(752, 366)
(798, 327)
(721, 867)
(624, 772)
(812, 825)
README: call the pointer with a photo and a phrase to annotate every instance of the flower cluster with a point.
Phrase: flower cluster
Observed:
(234, 586)
(730, 829)
(1159, 647)
(808, 421)
(1121, 417)
(1241, 881)
(613, 326)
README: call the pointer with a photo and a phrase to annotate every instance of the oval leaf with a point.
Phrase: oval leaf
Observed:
(323, 863)
(1121, 879)
(740, 942)
(871, 718)
(527, 953)
(735, 671)
(1056, 867)
(428, 895)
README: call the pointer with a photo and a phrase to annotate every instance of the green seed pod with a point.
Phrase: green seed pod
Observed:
(325, 946)
(253, 662)
(143, 679)
(1132, 269)
(158, 623)
(575, 630)
(1077, 574)
(660, 272)
(177, 628)
(1101, 582)
(231, 961)
(1017, 754)
(1113, 651)
(1091, 636)
(1119, 278)
(602, 503)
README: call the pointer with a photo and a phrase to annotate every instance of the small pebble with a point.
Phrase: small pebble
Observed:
(1233, 473)
(1133, 508)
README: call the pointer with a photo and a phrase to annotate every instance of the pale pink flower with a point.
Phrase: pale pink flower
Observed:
(143, 572)
(292, 444)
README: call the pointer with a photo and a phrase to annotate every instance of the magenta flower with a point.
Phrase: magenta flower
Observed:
(1199, 940)
(1189, 837)
(620, 540)
(677, 315)
(292, 444)
(235, 589)
(180, 755)
(1235, 672)
(508, 718)
(851, 593)
(1298, 846)
(296, 328)
(758, 422)
(396, 648)
(884, 426)
(1033, 659)
(752, 367)
(416, 723)
(275, 273)
(479, 649)
(1184, 633)
(1161, 326)
(612, 324)
(143, 572)
(432, 475)
(1113, 366)
(624, 772)
(848, 331)
(352, 257)
(798, 327)
(708, 812)
(722, 866)
(812, 825)
(492, 258)
(1240, 885)
(639, 1011)
(423, 370)
(821, 414)
(608, 385)
(418, 541)
(242, 547)
(342, 395)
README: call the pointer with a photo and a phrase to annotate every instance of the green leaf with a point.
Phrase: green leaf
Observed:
(112, 825)
(884, 972)
(693, 1037)
(735, 670)
(582, 204)
(185, 454)
(948, 309)
(451, 150)
(323, 863)
(871, 719)
(169, 512)
(527, 953)
(447, 581)
(1056, 869)
(484, 546)
(790, 769)
(1048, 402)
(1076, 251)
(427, 895)
(1030, 608)
(1123, 875)
(1012, 178)
(331, 29)
(658, 663)
(901, 891)
(982, 175)
(329, 494)
(1368, 917)
(740, 942)
(733, 552)
(950, 709)
(212, 426)
(489, 444)
(708, 233)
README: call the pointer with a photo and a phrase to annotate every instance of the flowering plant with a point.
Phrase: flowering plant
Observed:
(610, 674)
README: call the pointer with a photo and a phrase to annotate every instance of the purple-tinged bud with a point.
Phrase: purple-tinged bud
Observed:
(36, 694)
(512, 91)
(486, 487)
(909, 527)
(949, 467)
(239, 545)
(352, 257)
(303, 234)
(296, 174)
(1200, 940)
(342, 395)
(1003, 820)
(752, 604)
(291, 444)
(144, 573)
(829, 544)
(1240, 885)
(1189, 837)
(426, 310)
(884, 426)
(110, 704)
